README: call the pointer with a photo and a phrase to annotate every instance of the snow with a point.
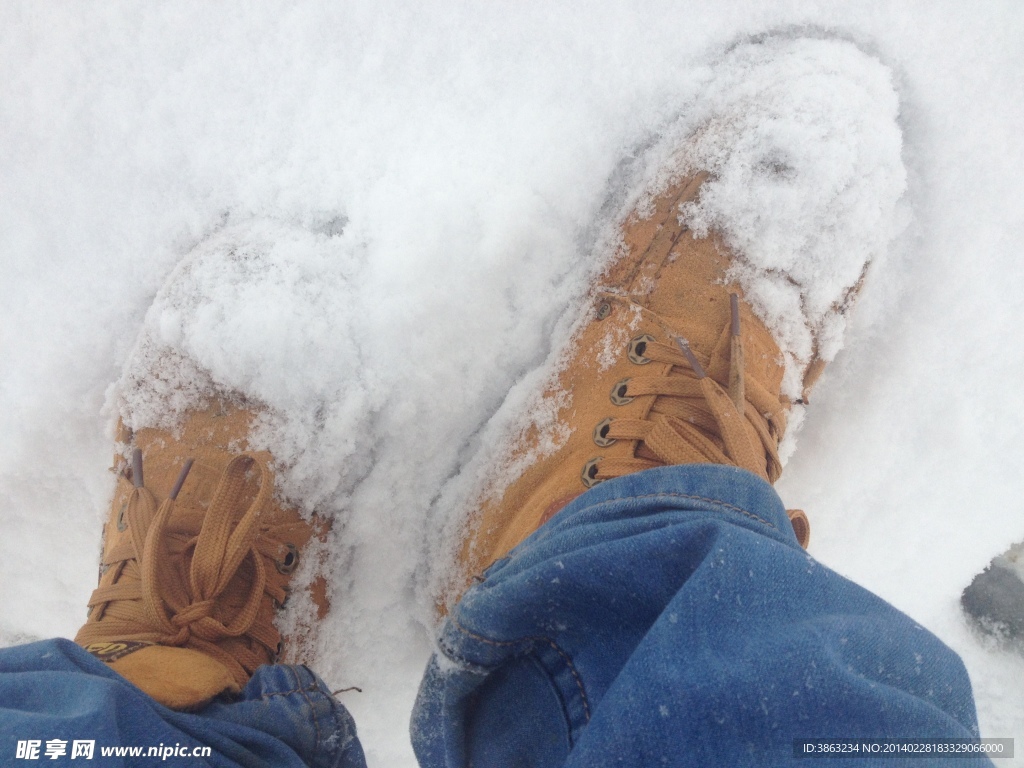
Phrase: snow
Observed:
(414, 200)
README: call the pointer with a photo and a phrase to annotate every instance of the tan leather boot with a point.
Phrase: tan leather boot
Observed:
(671, 367)
(198, 555)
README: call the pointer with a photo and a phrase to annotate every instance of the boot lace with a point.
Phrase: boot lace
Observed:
(694, 418)
(193, 579)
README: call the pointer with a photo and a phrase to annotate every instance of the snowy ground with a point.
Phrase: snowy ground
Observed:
(449, 167)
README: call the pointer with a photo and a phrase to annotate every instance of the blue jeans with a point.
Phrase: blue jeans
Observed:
(663, 618)
(54, 690)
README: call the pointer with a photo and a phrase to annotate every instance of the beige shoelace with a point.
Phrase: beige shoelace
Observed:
(694, 419)
(182, 581)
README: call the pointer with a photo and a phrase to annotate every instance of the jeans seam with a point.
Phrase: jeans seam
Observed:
(312, 708)
(716, 502)
(535, 638)
(311, 687)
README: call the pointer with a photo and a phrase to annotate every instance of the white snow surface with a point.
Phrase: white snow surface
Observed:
(379, 222)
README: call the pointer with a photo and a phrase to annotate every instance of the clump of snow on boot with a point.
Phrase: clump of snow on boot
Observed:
(261, 309)
(803, 146)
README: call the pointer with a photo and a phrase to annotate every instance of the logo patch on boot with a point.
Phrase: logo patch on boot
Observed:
(114, 649)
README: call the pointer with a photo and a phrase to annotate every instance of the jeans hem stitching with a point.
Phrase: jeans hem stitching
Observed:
(310, 687)
(536, 638)
(716, 502)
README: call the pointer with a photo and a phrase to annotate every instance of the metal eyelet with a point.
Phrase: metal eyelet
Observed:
(290, 562)
(601, 433)
(589, 473)
(637, 347)
(279, 604)
(122, 525)
(603, 310)
(618, 395)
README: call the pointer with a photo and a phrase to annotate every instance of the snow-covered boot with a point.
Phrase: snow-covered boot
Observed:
(754, 219)
(198, 555)
(671, 367)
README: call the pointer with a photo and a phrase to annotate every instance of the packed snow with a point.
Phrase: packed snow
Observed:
(380, 222)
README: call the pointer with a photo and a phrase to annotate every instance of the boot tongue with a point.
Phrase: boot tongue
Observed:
(179, 678)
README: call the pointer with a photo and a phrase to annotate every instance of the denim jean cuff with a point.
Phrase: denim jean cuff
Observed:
(504, 622)
(290, 703)
(734, 494)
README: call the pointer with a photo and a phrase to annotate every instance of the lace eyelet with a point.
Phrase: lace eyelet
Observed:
(618, 395)
(603, 310)
(290, 561)
(589, 473)
(601, 433)
(637, 347)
